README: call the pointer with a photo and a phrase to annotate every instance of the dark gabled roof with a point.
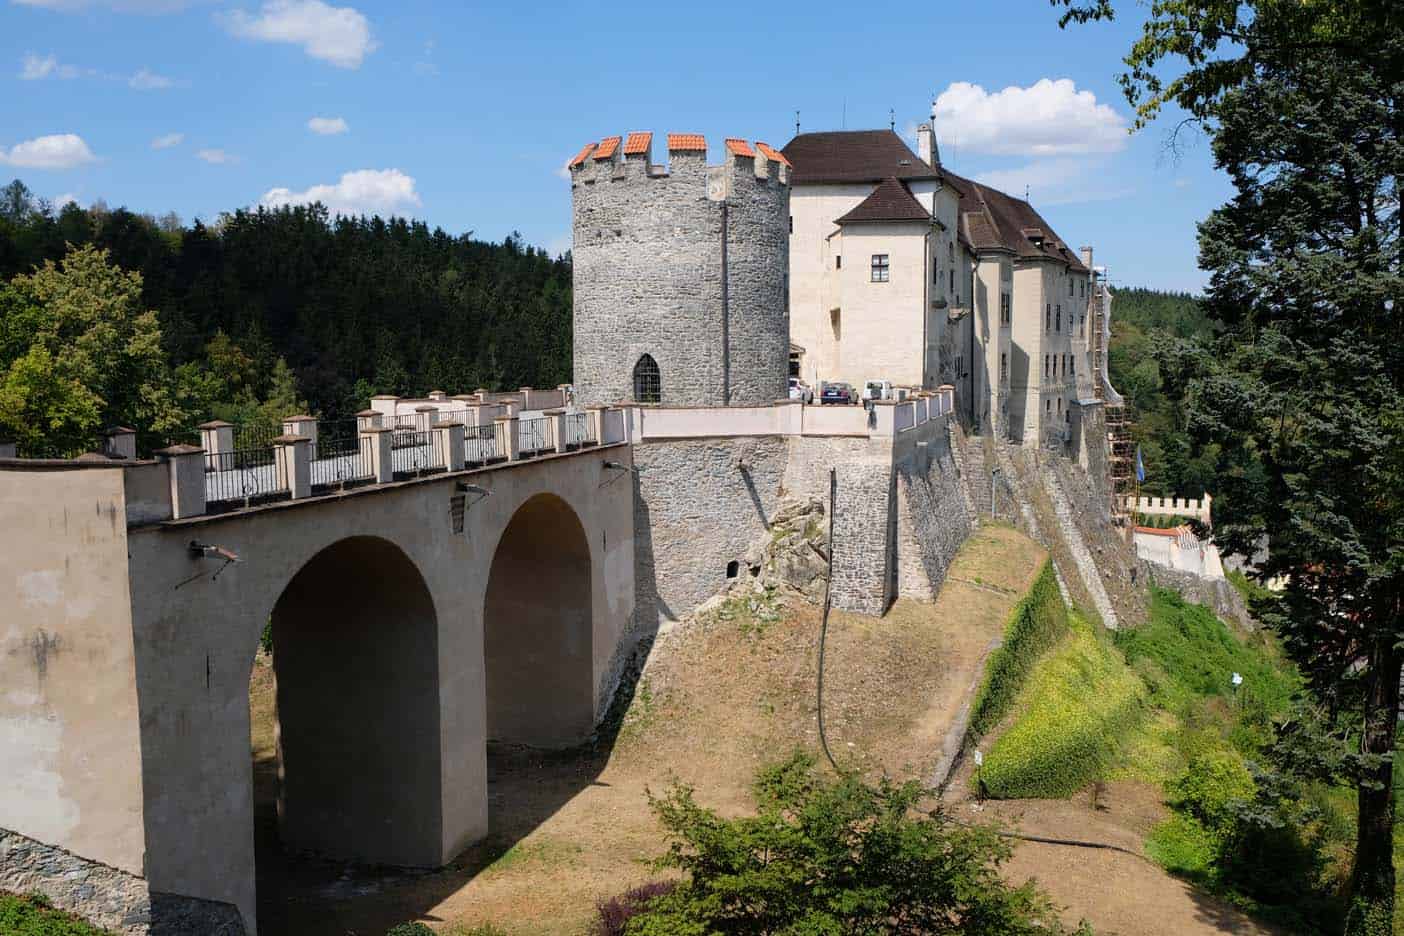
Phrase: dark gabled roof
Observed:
(994, 220)
(854, 156)
(890, 201)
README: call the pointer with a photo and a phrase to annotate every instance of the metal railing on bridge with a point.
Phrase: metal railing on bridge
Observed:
(242, 478)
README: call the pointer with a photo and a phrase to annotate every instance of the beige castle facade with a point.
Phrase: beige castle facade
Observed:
(902, 270)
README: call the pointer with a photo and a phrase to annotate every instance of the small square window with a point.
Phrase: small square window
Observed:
(880, 268)
(838, 262)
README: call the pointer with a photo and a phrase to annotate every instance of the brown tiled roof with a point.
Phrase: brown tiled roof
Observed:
(739, 147)
(584, 152)
(686, 141)
(772, 154)
(854, 156)
(608, 146)
(637, 144)
(995, 220)
(890, 201)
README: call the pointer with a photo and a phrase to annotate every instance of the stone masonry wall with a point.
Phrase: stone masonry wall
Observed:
(648, 279)
(108, 898)
(699, 504)
(933, 519)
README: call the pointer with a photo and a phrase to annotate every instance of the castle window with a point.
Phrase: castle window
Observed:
(935, 272)
(1058, 320)
(838, 262)
(1047, 317)
(1003, 368)
(952, 281)
(1070, 287)
(1081, 324)
(1005, 313)
(792, 224)
(648, 386)
(880, 268)
(1046, 365)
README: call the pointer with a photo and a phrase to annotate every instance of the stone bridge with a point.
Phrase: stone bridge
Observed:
(413, 620)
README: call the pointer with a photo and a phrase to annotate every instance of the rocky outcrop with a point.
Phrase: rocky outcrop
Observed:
(794, 554)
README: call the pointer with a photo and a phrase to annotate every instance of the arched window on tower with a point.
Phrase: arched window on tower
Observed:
(648, 386)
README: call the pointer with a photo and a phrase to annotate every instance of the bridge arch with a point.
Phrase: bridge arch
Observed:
(355, 660)
(538, 628)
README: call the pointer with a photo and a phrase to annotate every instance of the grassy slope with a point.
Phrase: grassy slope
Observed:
(1072, 718)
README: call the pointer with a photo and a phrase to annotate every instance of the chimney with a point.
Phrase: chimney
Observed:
(926, 146)
(1086, 256)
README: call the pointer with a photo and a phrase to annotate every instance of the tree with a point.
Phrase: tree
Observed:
(77, 352)
(825, 856)
(1304, 391)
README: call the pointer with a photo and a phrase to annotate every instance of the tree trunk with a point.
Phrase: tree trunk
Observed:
(1372, 885)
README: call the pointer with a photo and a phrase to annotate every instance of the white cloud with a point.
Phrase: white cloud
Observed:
(327, 126)
(1048, 118)
(56, 151)
(34, 68)
(365, 191)
(340, 36)
(66, 198)
(564, 171)
(167, 141)
(147, 80)
(216, 157)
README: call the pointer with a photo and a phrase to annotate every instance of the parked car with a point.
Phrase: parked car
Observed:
(838, 393)
(877, 390)
(799, 390)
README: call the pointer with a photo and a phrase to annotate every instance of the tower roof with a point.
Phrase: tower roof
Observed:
(890, 201)
(854, 156)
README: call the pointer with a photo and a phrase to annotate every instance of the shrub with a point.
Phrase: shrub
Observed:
(613, 915)
(834, 856)
(414, 928)
(1077, 708)
(1182, 846)
(33, 915)
(1212, 788)
(1036, 623)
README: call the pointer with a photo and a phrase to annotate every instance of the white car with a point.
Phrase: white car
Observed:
(877, 390)
(799, 390)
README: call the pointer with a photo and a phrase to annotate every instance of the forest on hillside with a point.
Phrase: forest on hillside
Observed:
(1143, 323)
(328, 309)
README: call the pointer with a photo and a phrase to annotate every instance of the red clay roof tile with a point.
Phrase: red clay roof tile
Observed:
(584, 152)
(637, 143)
(686, 141)
(608, 147)
(772, 154)
(739, 147)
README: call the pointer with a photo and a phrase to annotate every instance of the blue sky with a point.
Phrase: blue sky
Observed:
(463, 114)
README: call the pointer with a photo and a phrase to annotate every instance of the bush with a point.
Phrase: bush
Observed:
(1212, 789)
(414, 928)
(33, 915)
(1036, 623)
(613, 915)
(1182, 846)
(834, 856)
(1077, 708)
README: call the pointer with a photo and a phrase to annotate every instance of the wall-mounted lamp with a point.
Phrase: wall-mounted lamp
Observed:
(616, 466)
(459, 503)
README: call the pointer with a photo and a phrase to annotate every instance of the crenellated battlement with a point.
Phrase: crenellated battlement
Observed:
(623, 159)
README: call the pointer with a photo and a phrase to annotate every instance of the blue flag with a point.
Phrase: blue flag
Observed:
(1140, 466)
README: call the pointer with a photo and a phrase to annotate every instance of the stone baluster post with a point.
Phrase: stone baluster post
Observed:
(8, 449)
(119, 442)
(368, 419)
(448, 439)
(292, 461)
(217, 437)
(557, 423)
(594, 416)
(304, 426)
(381, 440)
(509, 440)
(185, 465)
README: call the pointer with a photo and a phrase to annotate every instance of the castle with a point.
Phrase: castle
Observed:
(454, 569)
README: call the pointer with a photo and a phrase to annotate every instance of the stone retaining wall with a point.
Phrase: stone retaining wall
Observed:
(106, 897)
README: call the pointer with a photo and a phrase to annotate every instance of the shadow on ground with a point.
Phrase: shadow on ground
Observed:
(304, 895)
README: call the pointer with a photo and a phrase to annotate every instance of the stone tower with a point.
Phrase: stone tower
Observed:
(681, 274)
